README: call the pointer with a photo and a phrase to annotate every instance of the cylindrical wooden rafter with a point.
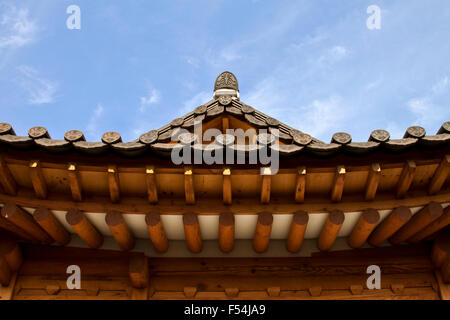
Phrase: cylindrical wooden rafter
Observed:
(84, 228)
(119, 230)
(226, 231)
(297, 231)
(156, 231)
(192, 232)
(263, 229)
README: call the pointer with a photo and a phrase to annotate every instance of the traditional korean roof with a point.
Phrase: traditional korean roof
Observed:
(226, 103)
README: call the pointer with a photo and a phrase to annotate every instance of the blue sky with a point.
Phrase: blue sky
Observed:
(136, 65)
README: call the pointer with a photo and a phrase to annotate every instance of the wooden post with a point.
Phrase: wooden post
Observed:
(226, 232)
(156, 231)
(406, 178)
(396, 219)
(25, 221)
(440, 176)
(152, 188)
(10, 250)
(266, 185)
(53, 227)
(227, 191)
(38, 180)
(372, 181)
(263, 229)
(7, 179)
(441, 249)
(84, 228)
(138, 271)
(418, 222)
(366, 223)
(189, 189)
(330, 230)
(297, 231)
(433, 227)
(114, 185)
(300, 185)
(74, 182)
(5, 272)
(119, 230)
(192, 232)
(338, 184)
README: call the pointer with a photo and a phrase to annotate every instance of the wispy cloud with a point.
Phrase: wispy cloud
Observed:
(17, 29)
(39, 89)
(92, 126)
(153, 97)
(427, 108)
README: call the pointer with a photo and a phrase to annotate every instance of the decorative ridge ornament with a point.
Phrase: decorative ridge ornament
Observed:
(226, 80)
(226, 85)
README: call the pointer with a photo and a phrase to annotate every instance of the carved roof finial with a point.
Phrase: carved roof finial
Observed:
(226, 80)
(226, 84)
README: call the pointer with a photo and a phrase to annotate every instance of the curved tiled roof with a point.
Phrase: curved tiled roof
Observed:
(157, 141)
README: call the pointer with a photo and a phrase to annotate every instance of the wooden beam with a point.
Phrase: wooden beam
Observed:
(396, 219)
(418, 222)
(363, 228)
(74, 182)
(7, 179)
(300, 185)
(189, 185)
(434, 227)
(338, 184)
(5, 272)
(25, 221)
(113, 182)
(192, 232)
(208, 206)
(263, 229)
(119, 230)
(297, 231)
(373, 180)
(138, 271)
(152, 188)
(53, 227)
(156, 230)
(441, 249)
(440, 176)
(226, 232)
(330, 230)
(38, 180)
(14, 230)
(84, 228)
(266, 185)
(10, 250)
(406, 178)
(227, 190)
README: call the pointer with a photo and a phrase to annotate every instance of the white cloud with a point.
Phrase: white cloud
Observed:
(40, 90)
(16, 27)
(92, 126)
(323, 115)
(440, 86)
(153, 97)
(333, 55)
